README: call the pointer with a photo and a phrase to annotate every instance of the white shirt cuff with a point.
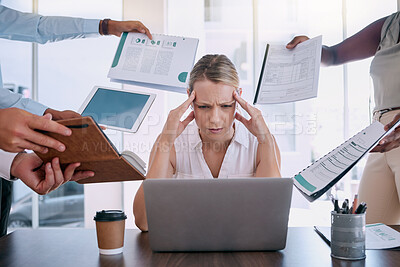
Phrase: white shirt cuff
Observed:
(6, 159)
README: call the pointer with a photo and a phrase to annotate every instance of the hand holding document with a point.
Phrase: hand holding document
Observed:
(317, 178)
(162, 63)
(289, 75)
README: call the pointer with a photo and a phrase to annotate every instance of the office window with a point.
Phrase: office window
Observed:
(304, 130)
(67, 71)
(16, 67)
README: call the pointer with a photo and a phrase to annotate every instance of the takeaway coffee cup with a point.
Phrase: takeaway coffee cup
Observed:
(110, 228)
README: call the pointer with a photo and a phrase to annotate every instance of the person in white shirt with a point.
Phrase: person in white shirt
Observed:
(216, 145)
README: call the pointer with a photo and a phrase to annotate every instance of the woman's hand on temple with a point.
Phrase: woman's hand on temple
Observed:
(174, 126)
(256, 124)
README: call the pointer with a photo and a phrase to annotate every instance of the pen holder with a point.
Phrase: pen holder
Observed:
(348, 236)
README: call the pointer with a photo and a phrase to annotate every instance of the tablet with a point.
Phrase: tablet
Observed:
(118, 109)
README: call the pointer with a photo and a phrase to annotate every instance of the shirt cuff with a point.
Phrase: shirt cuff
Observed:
(91, 26)
(6, 159)
(35, 107)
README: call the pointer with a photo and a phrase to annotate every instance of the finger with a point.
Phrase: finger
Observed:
(246, 106)
(296, 40)
(44, 140)
(14, 149)
(69, 171)
(82, 175)
(377, 149)
(393, 122)
(103, 128)
(185, 105)
(70, 114)
(390, 146)
(390, 138)
(44, 124)
(241, 119)
(145, 30)
(49, 180)
(188, 119)
(48, 116)
(58, 175)
(32, 146)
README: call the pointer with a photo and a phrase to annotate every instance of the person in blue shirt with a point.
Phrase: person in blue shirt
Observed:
(20, 117)
(15, 25)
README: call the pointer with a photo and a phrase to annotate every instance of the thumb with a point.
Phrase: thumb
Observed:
(292, 43)
(48, 116)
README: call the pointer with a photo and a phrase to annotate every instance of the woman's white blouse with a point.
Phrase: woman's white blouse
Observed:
(239, 160)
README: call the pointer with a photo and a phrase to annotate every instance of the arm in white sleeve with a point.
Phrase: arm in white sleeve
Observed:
(28, 27)
(6, 159)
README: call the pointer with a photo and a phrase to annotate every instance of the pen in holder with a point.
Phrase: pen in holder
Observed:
(348, 236)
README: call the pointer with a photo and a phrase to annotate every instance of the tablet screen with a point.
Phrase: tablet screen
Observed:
(115, 108)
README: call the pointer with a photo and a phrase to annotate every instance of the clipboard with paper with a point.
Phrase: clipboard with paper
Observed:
(320, 176)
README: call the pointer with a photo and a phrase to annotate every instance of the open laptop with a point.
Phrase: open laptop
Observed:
(249, 214)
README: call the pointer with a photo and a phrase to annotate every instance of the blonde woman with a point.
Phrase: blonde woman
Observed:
(215, 145)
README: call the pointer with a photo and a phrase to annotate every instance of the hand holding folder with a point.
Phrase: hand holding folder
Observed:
(91, 147)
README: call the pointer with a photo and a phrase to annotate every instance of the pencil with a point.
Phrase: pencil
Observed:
(355, 203)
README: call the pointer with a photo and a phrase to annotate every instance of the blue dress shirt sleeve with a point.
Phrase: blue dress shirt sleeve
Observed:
(28, 27)
(9, 99)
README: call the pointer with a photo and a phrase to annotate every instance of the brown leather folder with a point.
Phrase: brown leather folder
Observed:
(91, 147)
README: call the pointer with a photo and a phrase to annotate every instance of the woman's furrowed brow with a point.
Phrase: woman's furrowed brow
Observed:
(210, 104)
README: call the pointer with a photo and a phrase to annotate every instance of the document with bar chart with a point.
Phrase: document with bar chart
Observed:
(161, 63)
(317, 178)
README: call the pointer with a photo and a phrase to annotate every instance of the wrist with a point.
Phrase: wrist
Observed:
(165, 142)
(49, 110)
(104, 27)
(112, 27)
(14, 165)
(265, 139)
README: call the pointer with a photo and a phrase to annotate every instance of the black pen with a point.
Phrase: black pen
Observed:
(360, 207)
(345, 206)
(322, 236)
(364, 209)
(337, 209)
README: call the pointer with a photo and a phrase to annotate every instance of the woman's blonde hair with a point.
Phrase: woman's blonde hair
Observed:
(215, 68)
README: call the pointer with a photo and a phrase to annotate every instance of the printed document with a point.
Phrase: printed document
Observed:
(162, 63)
(317, 178)
(381, 236)
(377, 236)
(289, 75)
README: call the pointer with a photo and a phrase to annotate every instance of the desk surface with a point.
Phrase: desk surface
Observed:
(78, 247)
